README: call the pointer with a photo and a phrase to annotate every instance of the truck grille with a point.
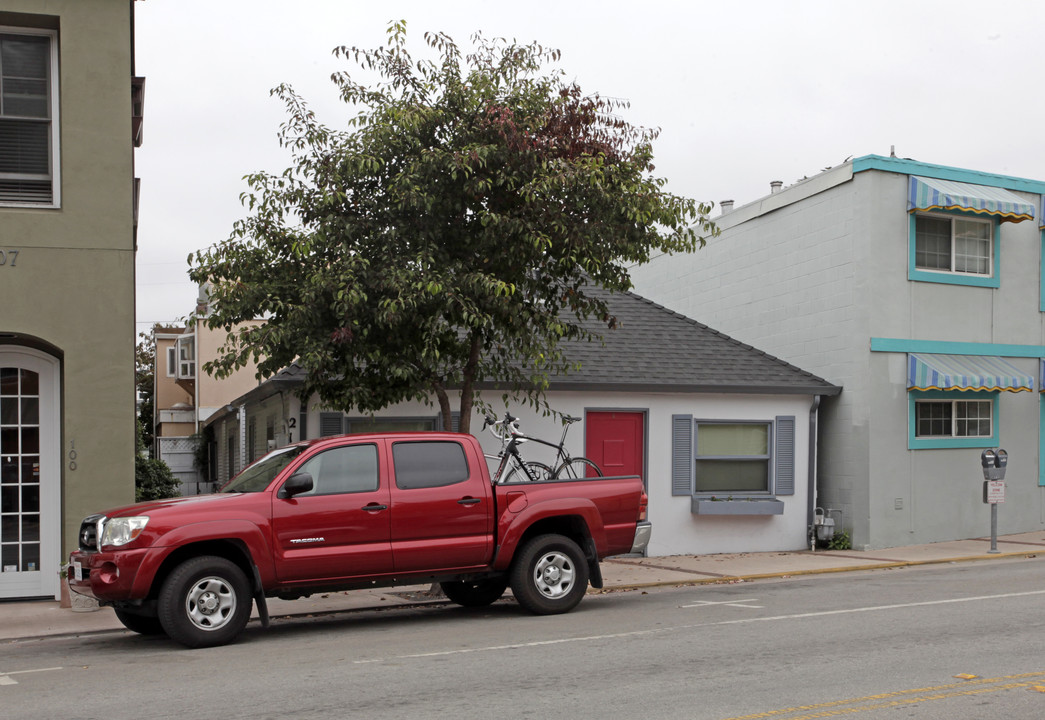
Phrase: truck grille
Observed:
(89, 532)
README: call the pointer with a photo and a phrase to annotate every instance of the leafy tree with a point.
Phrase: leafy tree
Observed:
(153, 479)
(450, 235)
(144, 375)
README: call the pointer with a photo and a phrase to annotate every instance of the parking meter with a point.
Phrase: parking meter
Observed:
(994, 462)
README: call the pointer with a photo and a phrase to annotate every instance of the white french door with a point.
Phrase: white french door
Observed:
(30, 474)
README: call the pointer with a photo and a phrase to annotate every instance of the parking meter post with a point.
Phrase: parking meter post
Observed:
(994, 529)
(994, 463)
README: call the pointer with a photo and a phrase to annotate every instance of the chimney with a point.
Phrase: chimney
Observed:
(774, 186)
(727, 206)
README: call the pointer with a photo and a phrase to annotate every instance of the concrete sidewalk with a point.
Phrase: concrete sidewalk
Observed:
(31, 619)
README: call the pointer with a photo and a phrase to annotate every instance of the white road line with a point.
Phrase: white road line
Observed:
(690, 626)
(730, 603)
(6, 679)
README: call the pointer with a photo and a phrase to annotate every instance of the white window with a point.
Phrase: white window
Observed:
(28, 118)
(186, 345)
(732, 457)
(954, 418)
(172, 361)
(952, 244)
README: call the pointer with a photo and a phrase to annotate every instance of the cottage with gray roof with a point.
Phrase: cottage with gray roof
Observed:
(723, 434)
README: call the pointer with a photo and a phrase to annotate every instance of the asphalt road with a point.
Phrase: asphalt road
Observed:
(954, 641)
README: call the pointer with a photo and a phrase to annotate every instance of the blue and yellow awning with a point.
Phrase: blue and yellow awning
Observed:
(934, 194)
(965, 372)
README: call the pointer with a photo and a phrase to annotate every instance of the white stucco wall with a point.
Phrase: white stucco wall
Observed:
(676, 529)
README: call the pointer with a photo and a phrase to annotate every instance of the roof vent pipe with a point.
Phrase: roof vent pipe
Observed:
(727, 206)
(775, 185)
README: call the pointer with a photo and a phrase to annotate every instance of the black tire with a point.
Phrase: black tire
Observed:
(141, 624)
(540, 471)
(578, 467)
(549, 575)
(475, 593)
(204, 602)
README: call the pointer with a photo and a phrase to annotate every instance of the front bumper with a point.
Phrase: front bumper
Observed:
(107, 576)
(643, 530)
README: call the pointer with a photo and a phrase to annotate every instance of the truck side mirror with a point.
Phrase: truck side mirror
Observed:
(299, 482)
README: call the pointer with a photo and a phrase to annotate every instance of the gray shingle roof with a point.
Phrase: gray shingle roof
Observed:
(655, 349)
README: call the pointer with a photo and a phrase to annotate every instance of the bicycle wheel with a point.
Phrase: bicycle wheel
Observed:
(577, 468)
(540, 471)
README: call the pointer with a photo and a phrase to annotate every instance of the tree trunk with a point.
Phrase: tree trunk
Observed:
(468, 385)
(444, 407)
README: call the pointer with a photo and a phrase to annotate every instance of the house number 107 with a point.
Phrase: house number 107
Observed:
(6, 255)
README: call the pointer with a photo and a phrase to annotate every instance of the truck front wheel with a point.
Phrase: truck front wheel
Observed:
(550, 575)
(205, 602)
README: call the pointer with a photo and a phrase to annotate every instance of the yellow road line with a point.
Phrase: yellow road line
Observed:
(898, 697)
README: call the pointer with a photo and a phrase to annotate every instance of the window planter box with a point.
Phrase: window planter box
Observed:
(754, 506)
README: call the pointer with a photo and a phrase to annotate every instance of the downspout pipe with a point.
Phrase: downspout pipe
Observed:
(814, 418)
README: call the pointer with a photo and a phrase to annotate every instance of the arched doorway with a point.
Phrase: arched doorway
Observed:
(30, 473)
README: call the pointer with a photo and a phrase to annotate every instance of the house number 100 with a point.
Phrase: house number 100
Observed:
(72, 455)
(6, 255)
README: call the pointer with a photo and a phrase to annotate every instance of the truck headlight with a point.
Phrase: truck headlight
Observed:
(121, 530)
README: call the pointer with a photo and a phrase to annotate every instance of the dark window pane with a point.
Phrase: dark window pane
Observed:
(30, 498)
(9, 441)
(8, 381)
(30, 411)
(9, 528)
(31, 557)
(8, 411)
(9, 499)
(429, 464)
(30, 528)
(8, 470)
(732, 476)
(31, 469)
(30, 382)
(30, 440)
(9, 558)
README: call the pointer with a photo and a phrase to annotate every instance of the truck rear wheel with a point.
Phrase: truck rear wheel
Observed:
(550, 575)
(205, 602)
(475, 593)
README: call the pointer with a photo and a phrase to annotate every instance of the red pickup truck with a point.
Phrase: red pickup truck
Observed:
(348, 512)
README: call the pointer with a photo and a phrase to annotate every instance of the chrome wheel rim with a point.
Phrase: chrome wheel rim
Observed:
(554, 575)
(211, 603)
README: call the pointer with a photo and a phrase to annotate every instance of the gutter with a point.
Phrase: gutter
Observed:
(814, 417)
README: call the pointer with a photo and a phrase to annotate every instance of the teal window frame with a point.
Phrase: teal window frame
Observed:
(1041, 272)
(953, 278)
(1041, 439)
(940, 443)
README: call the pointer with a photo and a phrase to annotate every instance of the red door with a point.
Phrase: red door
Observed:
(616, 441)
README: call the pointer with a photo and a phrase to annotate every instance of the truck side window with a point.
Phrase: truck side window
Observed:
(349, 469)
(429, 464)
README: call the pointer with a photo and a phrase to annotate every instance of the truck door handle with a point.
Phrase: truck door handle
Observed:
(469, 501)
(374, 507)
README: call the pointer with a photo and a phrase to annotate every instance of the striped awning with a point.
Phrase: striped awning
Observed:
(965, 372)
(933, 194)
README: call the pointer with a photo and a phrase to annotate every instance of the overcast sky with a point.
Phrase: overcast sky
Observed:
(744, 91)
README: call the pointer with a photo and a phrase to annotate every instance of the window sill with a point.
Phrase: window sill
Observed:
(744, 506)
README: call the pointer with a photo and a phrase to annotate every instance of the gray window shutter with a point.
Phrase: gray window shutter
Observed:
(682, 455)
(455, 421)
(303, 426)
(785, 455)
(331, 423)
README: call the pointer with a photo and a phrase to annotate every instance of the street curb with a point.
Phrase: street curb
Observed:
(729, 579)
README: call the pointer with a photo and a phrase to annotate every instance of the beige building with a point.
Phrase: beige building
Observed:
(186, 396)
(70, 117)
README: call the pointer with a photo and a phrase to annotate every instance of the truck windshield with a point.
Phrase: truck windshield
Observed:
(257, 477)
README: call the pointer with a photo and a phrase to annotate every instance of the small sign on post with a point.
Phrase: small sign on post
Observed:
(993, 491)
